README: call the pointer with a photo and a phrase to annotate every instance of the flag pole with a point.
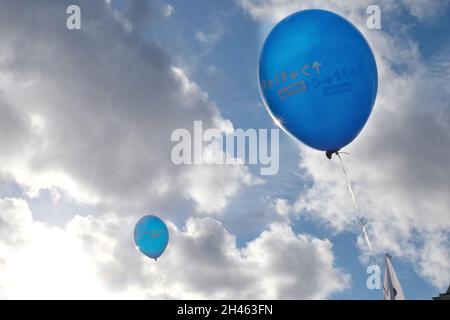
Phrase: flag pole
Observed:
(392, 289)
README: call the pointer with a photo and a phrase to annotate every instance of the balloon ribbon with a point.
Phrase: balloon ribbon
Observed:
(361, 219)
(161, 282)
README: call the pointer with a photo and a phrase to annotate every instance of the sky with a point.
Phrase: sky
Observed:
(85, 127)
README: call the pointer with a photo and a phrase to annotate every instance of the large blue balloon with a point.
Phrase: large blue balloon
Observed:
(318, 78)
(151, 236)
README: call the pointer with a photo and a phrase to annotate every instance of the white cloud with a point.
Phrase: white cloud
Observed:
(88, 116)
(169, 10)
(425, 10)
(434, 258)
(212, 187)
(283, 208)
(203, 262)
(210, 37)
(41, 262)
(275, 10)
(94, 257)
(399, 164)
(91, 112)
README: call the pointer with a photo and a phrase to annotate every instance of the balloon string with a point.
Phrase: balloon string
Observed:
(161, 283)
(362, 221)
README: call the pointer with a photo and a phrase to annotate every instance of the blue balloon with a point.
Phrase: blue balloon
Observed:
(151, 236)
(318, 78)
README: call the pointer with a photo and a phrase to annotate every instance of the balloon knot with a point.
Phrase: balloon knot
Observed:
(330, 153)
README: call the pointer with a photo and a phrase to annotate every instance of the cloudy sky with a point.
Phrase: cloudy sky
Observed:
(85, 123)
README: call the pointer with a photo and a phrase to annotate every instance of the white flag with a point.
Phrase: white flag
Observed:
(392, 288)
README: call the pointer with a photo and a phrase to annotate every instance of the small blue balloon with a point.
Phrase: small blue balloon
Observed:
(318, 78)
(151, 236)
